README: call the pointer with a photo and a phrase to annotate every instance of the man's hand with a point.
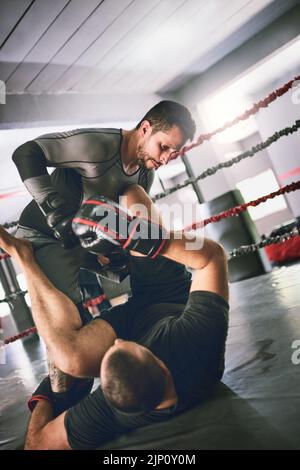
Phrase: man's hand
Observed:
(103, 260)
(101, 221)
(44, 432)
(63, 231)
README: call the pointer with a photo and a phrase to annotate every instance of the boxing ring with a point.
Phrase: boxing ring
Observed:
(257, 404)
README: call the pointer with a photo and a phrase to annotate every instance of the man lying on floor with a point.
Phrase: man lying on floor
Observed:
(158, 354)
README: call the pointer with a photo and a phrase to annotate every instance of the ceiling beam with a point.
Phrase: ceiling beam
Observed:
(30, 110)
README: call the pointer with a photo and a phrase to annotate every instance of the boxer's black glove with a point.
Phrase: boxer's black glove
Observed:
(42, 393)
(100, 220)
(59, 217)
(63, 400)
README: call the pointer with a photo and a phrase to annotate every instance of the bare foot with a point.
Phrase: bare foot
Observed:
(15, 247)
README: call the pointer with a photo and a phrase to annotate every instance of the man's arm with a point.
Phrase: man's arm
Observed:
(209, 262)
(213, 276)
(86, 425)
(32, 164)
(179, 246)
(44, 432)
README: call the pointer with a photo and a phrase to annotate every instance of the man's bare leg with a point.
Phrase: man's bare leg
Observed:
(60, 381)
(57, 318)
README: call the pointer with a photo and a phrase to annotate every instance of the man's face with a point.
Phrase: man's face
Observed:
(156, 149)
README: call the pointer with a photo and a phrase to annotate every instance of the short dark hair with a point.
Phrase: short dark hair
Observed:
(166, 114)
(133, 385)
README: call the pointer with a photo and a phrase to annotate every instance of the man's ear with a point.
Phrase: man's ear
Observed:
(145, 128)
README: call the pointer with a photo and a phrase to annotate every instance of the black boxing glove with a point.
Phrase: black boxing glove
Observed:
(42, 393)
(60, 401)
(101, 220)
(59, 217)
(64, 400)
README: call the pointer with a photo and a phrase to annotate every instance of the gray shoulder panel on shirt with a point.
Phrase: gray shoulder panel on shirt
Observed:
(92, 145)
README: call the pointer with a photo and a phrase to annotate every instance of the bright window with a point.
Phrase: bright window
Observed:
(23, 286)
(260, 185)
(4, 307)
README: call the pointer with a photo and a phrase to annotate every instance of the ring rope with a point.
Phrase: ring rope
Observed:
(18, 293)
(4, 256)
(33, 329)
(29, 331)
(265, 241)
(235, 211)
(248, 153)
(264, 103)
(13, 296)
